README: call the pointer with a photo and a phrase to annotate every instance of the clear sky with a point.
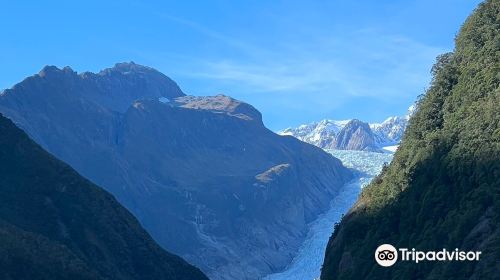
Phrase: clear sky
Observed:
(295, 61)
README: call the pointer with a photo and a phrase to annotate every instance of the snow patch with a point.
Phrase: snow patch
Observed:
(163, 99)
(391, 148)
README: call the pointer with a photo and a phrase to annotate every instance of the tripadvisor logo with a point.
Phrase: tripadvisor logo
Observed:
(387, 255)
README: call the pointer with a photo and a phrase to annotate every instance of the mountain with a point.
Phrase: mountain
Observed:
(442, 189)
(320, 134)
(203, 175)
(352, 134)
(54, 224)
(355, 135)
(390, 131)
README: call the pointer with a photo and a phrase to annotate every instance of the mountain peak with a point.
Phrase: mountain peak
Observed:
(355, 135)
(51, 70)
(356, 122)
(325, 133)
(129, 67)
(114, 88)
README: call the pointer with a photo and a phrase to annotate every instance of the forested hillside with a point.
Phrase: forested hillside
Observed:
(54, 224)
(442, 190)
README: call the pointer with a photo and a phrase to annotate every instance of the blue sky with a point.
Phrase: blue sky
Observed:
(295, 61)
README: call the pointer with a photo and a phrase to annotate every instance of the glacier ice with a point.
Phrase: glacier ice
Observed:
(307, 263)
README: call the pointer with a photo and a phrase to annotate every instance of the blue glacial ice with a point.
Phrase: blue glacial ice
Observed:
(307, 263)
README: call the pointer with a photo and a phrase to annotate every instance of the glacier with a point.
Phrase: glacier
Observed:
(307, 263)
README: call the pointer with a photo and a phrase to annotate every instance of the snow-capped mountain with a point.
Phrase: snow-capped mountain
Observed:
(352, 134)
(390, 131)
(320, 134)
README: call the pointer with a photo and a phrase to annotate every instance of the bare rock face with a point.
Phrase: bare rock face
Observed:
(202, 174)
(355, 135)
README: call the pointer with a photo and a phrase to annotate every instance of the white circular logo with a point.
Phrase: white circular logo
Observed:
(386, 255)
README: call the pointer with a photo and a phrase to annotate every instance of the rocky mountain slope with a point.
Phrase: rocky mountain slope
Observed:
(355, 135)
(202, 174)
(352, 134)
(442, 189)
(54, 224)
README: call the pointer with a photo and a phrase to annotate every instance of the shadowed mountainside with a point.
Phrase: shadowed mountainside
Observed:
(54, 224)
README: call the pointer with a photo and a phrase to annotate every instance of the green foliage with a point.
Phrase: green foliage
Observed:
(54, 224)
(442, 189)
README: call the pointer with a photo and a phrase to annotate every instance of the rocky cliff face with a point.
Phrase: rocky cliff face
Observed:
(54, 224)
(202, 174)
(355, 135)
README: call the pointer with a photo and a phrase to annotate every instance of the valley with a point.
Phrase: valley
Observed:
(325, 140)
(306, 265)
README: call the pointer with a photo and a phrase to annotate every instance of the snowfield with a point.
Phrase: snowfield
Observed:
(391, 148)
(307, 263)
